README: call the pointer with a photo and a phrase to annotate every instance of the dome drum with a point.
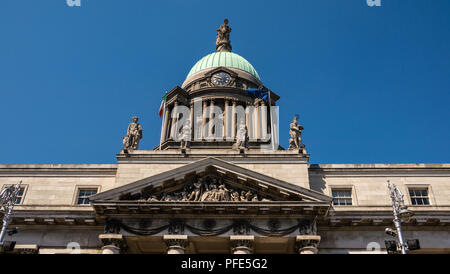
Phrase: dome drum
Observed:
(238, 79)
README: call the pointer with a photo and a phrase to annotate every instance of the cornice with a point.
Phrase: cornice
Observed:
(27, 170)
(379, 170)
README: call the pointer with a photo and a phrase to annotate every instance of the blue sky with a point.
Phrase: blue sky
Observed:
(370, 84)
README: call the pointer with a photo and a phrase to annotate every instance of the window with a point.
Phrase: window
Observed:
(419, 196)
(84, 194)
(342, 197)
(19, 197)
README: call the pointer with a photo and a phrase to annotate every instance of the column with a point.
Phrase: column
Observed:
(242, 244)
(166, 122)
(233, 120)
(257, 120)
(211, 117)
(263, 120)
(307, 244)
(192, 120)
(112, 243)
(205, 105)
(176, 244)
(247, 119)
(226, 118)
(174, 121)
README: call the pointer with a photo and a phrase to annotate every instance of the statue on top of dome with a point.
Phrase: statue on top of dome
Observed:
(223, 37)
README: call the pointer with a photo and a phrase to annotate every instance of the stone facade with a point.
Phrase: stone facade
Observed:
(49, 217)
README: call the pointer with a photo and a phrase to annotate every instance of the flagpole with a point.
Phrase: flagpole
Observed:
(271, 123)
(162, 122)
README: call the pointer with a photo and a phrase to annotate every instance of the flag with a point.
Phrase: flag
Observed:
(259, 93)
(161, 108)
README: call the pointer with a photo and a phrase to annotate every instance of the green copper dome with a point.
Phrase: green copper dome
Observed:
(223, 59)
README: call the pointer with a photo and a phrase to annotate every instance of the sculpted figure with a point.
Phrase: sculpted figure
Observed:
(226, 194)
(223, 193)
(241, 137)
(216, 191)
(296, 134)
(307, 227)
(153, 198)
(184, 196)
(178, 196)
(213, 197)
(248, 196)
(195, 194)
(185, 135)
(205, 194)
(134, 135)
(234, 196)
(209, 189)
(223, 37)
(167, 198)
(243, 198)
(112, 226)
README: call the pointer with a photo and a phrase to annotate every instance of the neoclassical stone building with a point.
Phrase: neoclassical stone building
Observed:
(219, 183)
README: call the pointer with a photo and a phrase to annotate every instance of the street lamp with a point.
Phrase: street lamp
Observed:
(7, 200)
(400, 211)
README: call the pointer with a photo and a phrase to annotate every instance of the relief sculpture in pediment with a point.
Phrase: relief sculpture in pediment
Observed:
(208, 189)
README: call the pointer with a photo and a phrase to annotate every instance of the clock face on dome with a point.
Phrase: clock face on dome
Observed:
(221, 79)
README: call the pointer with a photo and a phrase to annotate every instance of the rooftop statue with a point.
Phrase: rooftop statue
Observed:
(295, 142)
(134, 135)
(241, 137)
(185, 135)
(223, 37)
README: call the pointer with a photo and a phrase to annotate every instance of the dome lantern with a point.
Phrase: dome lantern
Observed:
(223, 57)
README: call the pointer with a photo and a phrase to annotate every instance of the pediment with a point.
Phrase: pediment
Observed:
(210, 180)
(221, 69)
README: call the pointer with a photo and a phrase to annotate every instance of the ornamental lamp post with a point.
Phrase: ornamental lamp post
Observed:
(7, 200)
(400, 211)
